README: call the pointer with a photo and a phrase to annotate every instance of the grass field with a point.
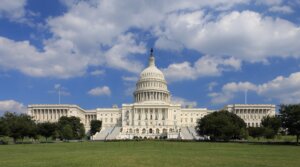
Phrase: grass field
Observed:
(148, 153)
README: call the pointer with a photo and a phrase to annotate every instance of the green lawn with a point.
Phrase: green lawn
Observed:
(148, 153)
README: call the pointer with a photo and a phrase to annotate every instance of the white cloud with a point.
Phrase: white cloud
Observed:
(283, 89)
(97, 33)
(184, 102)
(129, 82)
(57, 59)
(233, 34)
(229, 91)
(61, 58)
(119, 56)
(100, 91)
(97, 72)
(204, 66)
(13, 9)
(269, 2)
(129, 90)
(130, 79)
(92, 33)
(281, 9)
(212, 85)
(11, 106)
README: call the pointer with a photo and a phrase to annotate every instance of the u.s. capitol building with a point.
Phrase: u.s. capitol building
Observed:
(152, 114)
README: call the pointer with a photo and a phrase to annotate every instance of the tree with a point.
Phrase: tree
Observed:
(290, 119)
(273, 123)
(47, 129)
(3, 127)
(20, 126)
(29, 126)
(222, 125)
(271, 126)
(256, 132)
(77, 128)
(95, 127)
(67, 132)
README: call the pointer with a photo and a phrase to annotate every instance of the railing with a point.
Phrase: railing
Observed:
(109, 133)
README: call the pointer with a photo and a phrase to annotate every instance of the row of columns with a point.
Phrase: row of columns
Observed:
(151, 84)
(89, 118)
(251, 111)
(250, 116)
(48, 114)
(147, 115)
(150, 130)
(253, 124)
(157, 96)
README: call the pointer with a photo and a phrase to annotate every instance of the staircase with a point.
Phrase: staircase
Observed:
(192, 130)
(114, 133)
(185, 134)
(103, 133)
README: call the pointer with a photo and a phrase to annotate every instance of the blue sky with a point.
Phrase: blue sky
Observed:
(93, 51)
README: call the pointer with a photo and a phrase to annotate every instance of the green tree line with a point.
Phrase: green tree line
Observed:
(19, 126)
(224, 126)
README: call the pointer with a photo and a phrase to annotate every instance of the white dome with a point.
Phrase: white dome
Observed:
(152, 85)
(152, 72)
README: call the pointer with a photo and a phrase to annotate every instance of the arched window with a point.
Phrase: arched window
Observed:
(150, 130)
(157, 131)
(144, 131)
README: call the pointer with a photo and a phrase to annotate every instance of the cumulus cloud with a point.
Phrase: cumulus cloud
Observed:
(91, 33)
(204, 66)
(212, 85)
(99, 33)
(269, 2)
(245, 35)
(11, 106)
(100, 91)
(130, 78)
(57, 59)
(283, 89)
(61, 58)
(281, 9)
(97, 72)
(184, 102)
(13, 9)
(230, 90)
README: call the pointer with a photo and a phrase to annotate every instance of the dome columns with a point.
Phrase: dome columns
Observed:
(151, 96)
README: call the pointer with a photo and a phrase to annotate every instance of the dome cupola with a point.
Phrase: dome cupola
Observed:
(151, 86)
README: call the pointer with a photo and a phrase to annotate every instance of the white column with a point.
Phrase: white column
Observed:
(39, 114)
(142, 114)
